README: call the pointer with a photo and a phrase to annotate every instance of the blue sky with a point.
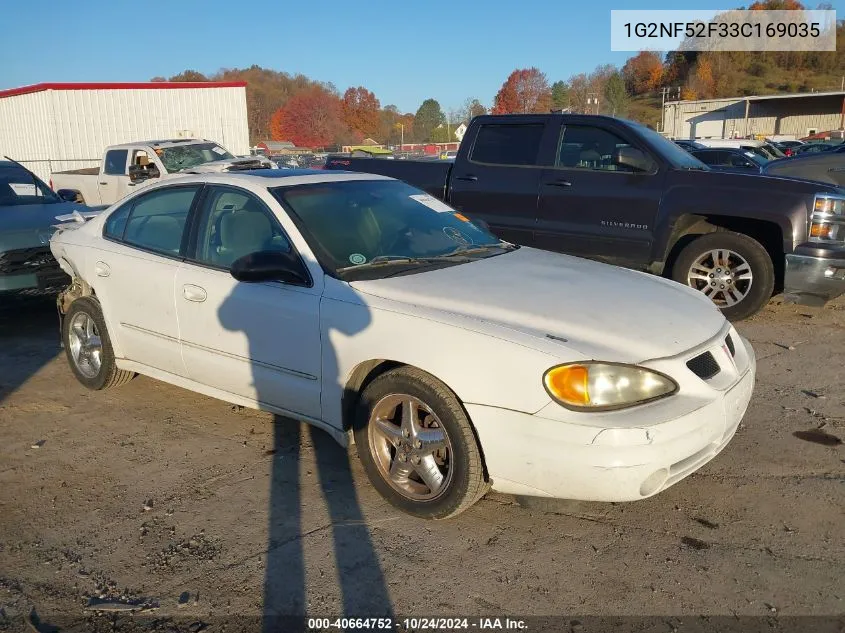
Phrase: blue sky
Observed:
(405, 52)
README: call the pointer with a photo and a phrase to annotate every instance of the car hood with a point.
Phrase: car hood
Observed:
(29, 225)
(233, 164)
(598, 310)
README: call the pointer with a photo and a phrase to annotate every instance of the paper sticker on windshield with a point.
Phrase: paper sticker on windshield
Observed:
(218, 150)
(23, 189)
(357, 259)
(432, 203)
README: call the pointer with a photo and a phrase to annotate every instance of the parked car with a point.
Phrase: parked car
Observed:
(731, 159)
(28, 210)
(814, 148)
(826, 167)
(619, 192)
(788, 147)
(763, 148)
(362, 305)
(688, 144)
(125, 167)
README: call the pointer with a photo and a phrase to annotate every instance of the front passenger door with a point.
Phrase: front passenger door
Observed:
(592, 206)
(259, 341)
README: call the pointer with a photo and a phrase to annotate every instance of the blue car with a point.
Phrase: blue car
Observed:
(28, 210)
(730, 159)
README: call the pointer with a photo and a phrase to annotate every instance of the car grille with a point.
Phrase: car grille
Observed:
(26, 260)
(704, 366)
(730, 343)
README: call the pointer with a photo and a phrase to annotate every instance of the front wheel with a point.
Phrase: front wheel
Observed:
(417, 445)
(731, 269)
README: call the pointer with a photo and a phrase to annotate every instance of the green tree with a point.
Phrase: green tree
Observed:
(615, 95)
(560, 95)
(428, 117)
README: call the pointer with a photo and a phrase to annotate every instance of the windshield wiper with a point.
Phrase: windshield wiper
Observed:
(470, 249)
(385, 260)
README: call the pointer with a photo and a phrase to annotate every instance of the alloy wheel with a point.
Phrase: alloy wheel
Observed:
(86, 347)
(723, 275)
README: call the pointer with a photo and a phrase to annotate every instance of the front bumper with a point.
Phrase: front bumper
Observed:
(815, 274)
(536, 456)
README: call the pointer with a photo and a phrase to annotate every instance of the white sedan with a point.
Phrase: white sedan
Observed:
(361, 305)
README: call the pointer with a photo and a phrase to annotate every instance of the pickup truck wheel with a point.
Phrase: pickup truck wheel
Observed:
(732, 269)
(417, 445)
(88, 347)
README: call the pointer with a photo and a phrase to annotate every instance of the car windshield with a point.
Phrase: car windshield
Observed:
(368, 229)
(19, 187)
(678, 157)
(178, 157)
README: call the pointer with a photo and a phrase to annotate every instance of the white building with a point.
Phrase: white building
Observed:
(57, 126)
(795, 115)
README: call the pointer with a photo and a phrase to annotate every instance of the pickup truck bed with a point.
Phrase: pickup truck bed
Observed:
(85, 171)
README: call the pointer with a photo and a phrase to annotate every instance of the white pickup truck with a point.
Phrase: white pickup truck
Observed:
(125, 167)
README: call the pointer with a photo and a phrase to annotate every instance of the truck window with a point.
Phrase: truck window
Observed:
(588, 147)
(115, 164)
(498, 144)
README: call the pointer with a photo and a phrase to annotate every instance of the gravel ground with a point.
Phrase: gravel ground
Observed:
(201, 515)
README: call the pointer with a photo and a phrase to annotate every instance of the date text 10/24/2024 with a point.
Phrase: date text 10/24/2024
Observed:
(417, 624)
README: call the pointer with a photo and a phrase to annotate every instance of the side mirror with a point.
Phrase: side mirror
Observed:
(139, 173)
(68, 195)
(633, 158)
(270, 266)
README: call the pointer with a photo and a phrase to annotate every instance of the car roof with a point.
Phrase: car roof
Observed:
(277, 177)
(173, 142)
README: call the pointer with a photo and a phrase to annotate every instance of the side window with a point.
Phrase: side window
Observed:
(115, 164)
(594, 148)
(158, 218)
(116, 222)
(507, 144)
(234, 223)
(740, 161)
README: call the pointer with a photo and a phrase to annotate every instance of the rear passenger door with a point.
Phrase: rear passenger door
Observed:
(134, 273)
(499, 180)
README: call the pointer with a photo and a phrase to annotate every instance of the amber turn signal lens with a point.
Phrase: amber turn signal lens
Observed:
(821, 231)
(569, 383)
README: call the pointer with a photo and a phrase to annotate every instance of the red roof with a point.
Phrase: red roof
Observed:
(144, 85)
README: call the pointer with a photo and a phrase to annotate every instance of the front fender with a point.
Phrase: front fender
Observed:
(477, 367)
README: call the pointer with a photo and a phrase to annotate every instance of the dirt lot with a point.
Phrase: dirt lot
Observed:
(154, 495)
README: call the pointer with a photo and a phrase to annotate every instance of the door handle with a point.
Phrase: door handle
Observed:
(194, 293)
(467, 178)
(104, 183)
(102, 269)
(559, 183)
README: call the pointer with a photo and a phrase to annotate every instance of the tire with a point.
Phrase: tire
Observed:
(440, 421)
(88, 347)
(749, 272)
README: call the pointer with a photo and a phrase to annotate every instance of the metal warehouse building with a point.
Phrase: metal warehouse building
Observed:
(798, 115)
(58, 126)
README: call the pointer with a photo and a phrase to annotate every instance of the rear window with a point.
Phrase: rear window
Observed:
(507, 144)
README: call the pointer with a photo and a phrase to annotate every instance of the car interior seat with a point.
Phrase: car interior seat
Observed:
(243, 231)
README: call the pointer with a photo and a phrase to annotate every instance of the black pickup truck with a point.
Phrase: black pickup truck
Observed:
(619, 192)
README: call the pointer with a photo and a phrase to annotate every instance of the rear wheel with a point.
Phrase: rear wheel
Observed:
(417, 445)
(88, 347)
(731, 269)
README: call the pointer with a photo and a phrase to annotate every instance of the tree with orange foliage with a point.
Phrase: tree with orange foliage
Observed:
(361, 112)
(702, 80)
(312, 117)
(525, 90)
(643, 72)
(777, 5)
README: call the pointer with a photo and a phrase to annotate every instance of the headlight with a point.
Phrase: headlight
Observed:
(594, 386)
(827, 223)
